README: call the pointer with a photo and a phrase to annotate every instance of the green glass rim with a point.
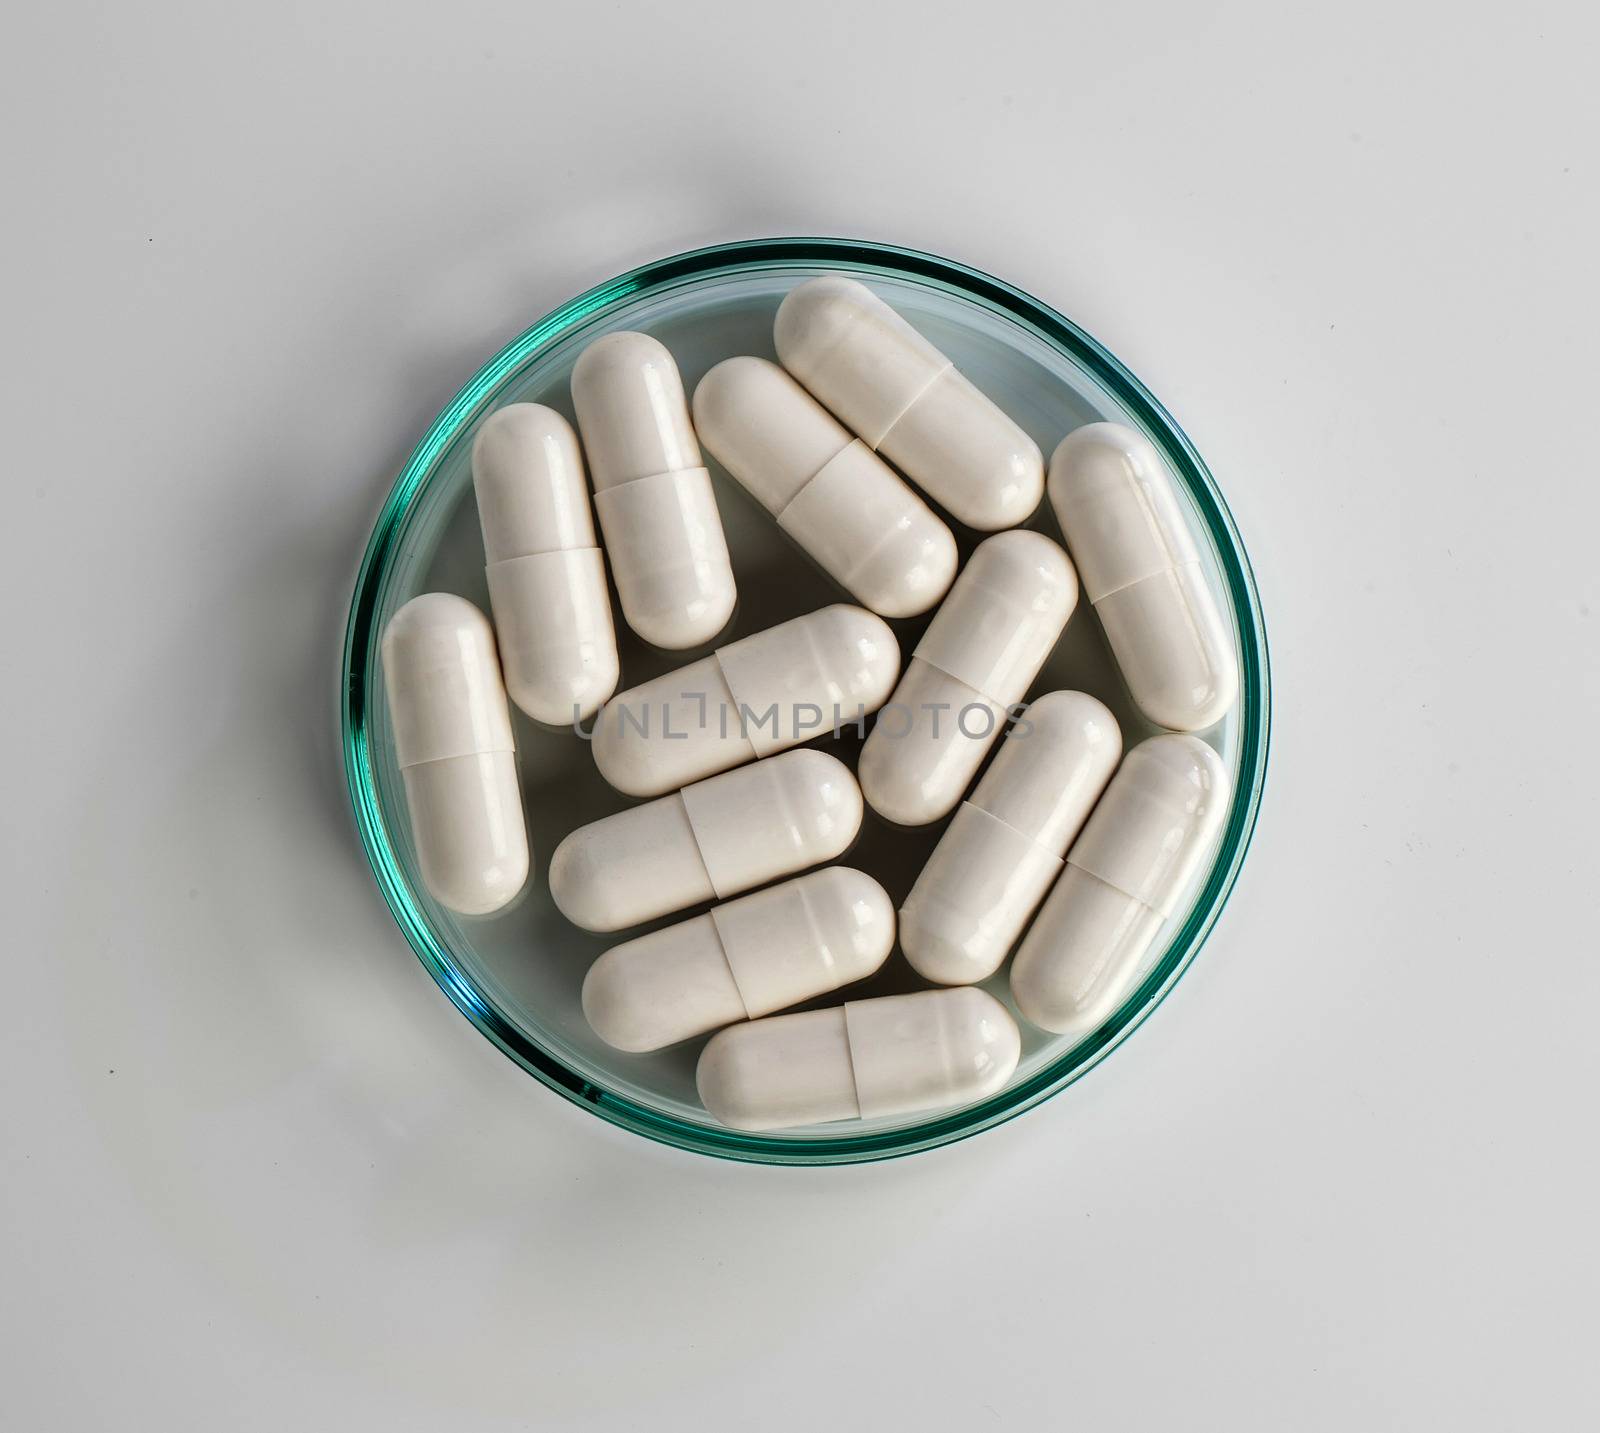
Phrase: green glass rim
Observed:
(866, 258)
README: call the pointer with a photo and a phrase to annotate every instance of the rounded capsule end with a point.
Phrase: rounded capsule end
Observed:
(628, 395)
(1096, 457)
(1193, 708)
(982, 465)
(855, 919)
(519, 434)
(629, 763)
(1175, 655)
(942, 947)
(765, 429)
(721, 1081)
(1082, 956)
(919, 758)
(433, 614)
(466, 818)
(528, 478)
(1012, 491)
(1029, 562)
(1178, 762)
(678, 626)
(484, 890)
(560, 700)
(732, 399)
(984, 1042)
(617, 355)
(1060, 714)
(858, 653)
(611, 1006)
(728, 385)
(584, 886)
(913, 572)
(823, 799)
(816, 317)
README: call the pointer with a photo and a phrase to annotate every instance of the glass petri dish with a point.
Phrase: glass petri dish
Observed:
(517, 975)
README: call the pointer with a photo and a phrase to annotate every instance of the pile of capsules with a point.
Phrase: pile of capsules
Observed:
(862, 411)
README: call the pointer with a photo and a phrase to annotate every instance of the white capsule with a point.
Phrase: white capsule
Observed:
(727, 834)
(868, 1059)
(906, 400)
(1005, 845)
(1125, 875)
(653, 497)
(547, 576)
(754, 697)
(1119, 511)
(830, 492)
(453, 745)
(983, 648)
(741, 960)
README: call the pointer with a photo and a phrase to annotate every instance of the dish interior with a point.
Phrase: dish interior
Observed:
(518, 974)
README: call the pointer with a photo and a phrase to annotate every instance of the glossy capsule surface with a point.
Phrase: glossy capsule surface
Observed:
(710, 841)
(546, 573)
(652, 494)
(1119, 511)
(753, 698)
(1005, 846)
(866, 1059)
(741, 960)
(904, 399)
(1125, 877)
(454, 747)
(981, 652)
(828, 490)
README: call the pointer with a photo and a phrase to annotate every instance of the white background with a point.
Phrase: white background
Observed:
(259, 1174)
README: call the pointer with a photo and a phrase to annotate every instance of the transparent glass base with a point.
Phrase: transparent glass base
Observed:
(517, 975)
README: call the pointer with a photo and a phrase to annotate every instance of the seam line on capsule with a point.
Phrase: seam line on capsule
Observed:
(699, 850)
(819, 937)
(738, 711)
(541, 552)
(993, 701)
(820, 665)
(1031, 840)
(872, 552)
(910, 404)
(850, 1055)
(457, 756)
(651, 477)
(778, 513)
(1159, 572)
(733, 975)
(1149, 511)
(1113, 886)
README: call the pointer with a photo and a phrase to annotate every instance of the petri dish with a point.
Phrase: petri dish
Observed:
(517, 975)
